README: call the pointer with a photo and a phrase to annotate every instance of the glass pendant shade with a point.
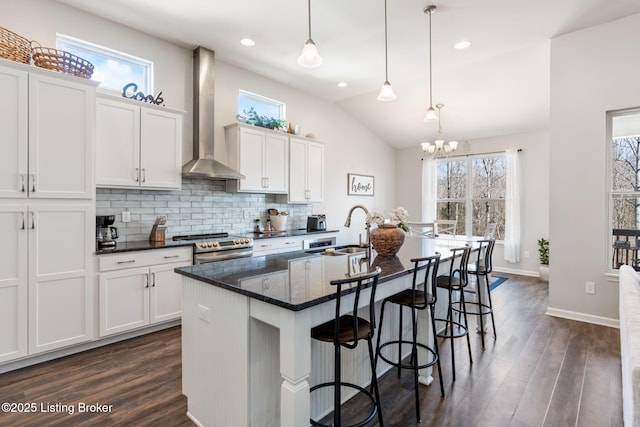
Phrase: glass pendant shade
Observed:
(431, 115)
(386, 92)
(310, 58)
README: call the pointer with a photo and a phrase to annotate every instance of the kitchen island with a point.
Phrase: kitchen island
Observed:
(248, 358)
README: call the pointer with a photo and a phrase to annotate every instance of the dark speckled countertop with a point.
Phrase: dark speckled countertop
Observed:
(304, 277)
(144, 245)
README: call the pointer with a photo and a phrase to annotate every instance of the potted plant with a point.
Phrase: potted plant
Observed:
(543, 252)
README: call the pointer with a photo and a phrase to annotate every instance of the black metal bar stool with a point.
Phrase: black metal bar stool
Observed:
(346, 331)
(482, 267)
(455, 282)
(424, 271)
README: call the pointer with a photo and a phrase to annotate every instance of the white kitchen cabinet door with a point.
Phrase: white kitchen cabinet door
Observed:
(60, 243)
(306, 169)
(261, 155)
(160, 149)
(276, 160)
(166, 293)
(13, 282)
(14, 130)
(315, 172)
(251, 155)
(124, 300)
(61, 135)
(137, 146)
(117, 143)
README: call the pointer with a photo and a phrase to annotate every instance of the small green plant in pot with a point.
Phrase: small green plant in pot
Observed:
(543, 252)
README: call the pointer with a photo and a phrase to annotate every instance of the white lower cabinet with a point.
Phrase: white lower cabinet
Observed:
(139, 289)
(46, 294)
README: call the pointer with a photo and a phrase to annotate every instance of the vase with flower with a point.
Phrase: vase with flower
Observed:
(388, 236)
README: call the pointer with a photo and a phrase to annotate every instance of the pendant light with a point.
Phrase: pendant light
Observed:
(386, 93)
(439, 147)
(309, 58)
(431, 113)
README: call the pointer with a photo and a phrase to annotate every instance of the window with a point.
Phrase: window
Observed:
(111, 68)
(262, 105)
(471, 191)
(624, 188)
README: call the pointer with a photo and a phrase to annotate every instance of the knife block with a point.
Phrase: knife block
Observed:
(157, 233)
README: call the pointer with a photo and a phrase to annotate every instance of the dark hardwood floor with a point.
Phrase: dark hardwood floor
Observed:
(541, 371)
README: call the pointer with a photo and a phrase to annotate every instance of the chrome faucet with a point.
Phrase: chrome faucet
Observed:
(347, 223)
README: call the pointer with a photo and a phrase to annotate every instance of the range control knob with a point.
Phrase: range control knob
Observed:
(202, 245)
(209, 244)
(215, 244)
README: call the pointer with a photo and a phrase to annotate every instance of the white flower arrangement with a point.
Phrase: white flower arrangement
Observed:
(399, 216)
(375, 217)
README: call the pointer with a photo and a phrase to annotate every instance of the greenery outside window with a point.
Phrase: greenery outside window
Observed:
(112, 69)
(471, 191)
(262, 105)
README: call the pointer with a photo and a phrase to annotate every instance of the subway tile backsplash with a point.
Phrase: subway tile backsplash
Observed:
(201, 206)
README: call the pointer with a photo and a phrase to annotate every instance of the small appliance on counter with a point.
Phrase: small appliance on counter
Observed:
(158, 231)
(316, 223)
(105, 233)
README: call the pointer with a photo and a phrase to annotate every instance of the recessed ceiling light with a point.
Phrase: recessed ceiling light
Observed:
(247, 42)
(463, 44)
(343, 84)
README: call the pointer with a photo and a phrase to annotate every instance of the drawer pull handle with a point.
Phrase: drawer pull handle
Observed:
(171, 256)
(147, 279)
(127, 262)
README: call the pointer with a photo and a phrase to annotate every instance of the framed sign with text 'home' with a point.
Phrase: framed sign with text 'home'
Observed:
(360, 185)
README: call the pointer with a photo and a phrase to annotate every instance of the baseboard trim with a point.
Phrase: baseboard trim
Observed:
(55, 354)
(583, 317)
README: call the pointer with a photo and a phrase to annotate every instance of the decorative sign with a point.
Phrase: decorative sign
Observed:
(131, 91)
(359, 185)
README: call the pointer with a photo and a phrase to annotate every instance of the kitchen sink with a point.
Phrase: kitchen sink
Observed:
(330, 253)
(351, 250)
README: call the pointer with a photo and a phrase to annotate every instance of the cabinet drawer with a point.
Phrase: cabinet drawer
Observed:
(276, 245)
(143, 258)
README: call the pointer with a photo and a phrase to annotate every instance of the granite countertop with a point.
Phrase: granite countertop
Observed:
(144, 245)
(299, 280)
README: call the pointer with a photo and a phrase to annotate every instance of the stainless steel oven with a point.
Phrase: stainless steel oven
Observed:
(218, 246)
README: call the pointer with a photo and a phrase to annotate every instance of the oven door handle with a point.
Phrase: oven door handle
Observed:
(217, 256)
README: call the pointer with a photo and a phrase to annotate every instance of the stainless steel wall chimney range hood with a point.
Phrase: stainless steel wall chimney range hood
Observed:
(203, 165)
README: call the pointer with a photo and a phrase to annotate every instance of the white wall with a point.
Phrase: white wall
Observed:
(350, 147)
(534, 160)
(592, 71)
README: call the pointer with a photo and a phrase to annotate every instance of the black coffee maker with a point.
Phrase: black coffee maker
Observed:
(105, 233)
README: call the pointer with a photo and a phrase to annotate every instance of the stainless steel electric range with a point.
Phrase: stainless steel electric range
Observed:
(218, 246)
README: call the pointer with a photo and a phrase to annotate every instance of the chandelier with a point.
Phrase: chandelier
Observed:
(439, 147)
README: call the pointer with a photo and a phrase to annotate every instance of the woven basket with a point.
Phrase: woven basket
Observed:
(13, 46)
(59, 60)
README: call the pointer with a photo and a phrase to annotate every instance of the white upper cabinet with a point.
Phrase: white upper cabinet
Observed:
(306, 169)
(46, 123)
(137, 146)
(259, 154)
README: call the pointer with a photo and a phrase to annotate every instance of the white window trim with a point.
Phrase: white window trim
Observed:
(468, 200)
(282, 107)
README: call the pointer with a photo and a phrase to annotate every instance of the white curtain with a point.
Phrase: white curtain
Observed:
(512, 208)
(429, 189)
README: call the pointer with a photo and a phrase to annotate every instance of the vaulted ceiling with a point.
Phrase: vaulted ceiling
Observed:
(497, 86)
